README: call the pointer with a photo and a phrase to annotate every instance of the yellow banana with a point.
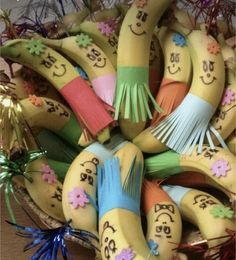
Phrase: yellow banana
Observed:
(103, 15)
(189, 123)
(164, 225)
(54, 67)
(218, 165)
(107, 43)
(50, 114)
(176, 79)
(80, 180)
(132, 91)
(44, 189)
(231, 142)
(120, 229)
(93, 60)
(205, 211)
(224, 119)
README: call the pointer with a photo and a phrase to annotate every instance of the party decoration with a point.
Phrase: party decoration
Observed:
(83, 40)
(153, 247)
(36, 101)
(220, 168)
(213, 48)
(126, 254)
(35, 47)
(105, 28)
(179, 40)
(228, 97)
(141, 3)
(77, 198)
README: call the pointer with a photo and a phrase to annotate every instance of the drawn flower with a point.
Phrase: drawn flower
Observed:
(141, 3)
(153, 247)
(36, 101)
(35, 47)
(49, 178)
(83, 40)
(179, 40)
(46, 169)
(77, 198)
(220, 168)
(81, 72)
(213, 48)
(105, 28)
(228, 97)
(125, 254)
(220, 211)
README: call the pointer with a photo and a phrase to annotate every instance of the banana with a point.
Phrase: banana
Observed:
(120, 230)
(164, 225)
(176, 79)
(93, 60)
(44, 189)
(103, 15)
(205, 211)
(132, 91)
(231, 142)
(224, 119)
(107, 43)
(155, 68)
(218, 165)
(185, 127)
(55, 68)
(50, 114)
(80, 180)
(60, 168)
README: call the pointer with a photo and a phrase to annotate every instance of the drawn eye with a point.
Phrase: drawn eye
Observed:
(158, 229)
(106, 239)
(112, 246)
(211, 66)
(177, 57)
(205, 66)
(167, 230)
(139, 15)
(172, 57)
(96, 53)
(144, 17)
(107, 252)
(91, 57)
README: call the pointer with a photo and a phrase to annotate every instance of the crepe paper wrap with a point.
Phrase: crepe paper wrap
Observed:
(132, 91)
(220, 211)
(51, 241)
(35, 47)
(104, 87)
(57, 148)
(10, 169)
(169, 97)
(126, 253)
(86, 106)
(112, 194)
(59, 167)
(99, 150)
(152, 194)
(162, 165)
(184, 128)
(228, 97)
(220, 168)
(153, 247)
(176, 192)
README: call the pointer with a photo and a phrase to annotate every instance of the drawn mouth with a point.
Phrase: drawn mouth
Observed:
(173, 72)
(138, 34)
(207, 83)
(61, 74)
(98, 65)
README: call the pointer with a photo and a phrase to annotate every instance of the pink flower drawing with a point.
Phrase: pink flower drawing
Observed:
(77, 198)
(49, 178)
(220, 168)
(228, 97)
(105, 28)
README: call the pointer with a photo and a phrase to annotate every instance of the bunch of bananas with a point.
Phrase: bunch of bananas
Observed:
(139, 108)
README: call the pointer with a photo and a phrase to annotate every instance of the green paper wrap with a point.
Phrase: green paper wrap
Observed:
(60, 168)
(132, 92)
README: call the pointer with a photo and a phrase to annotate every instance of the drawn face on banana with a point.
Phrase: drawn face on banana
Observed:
(95, 57)
(164, 219)
(203, 200)
(108, 243)
(139, 24)
(50, 62)
(88, 172)
(207, 75)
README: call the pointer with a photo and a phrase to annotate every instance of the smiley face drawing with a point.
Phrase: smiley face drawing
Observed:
(164, 220)
(108, 244)
(203, 200)
(137, 27)
(96, 57)
(208, 68)
(174, 61)
(59, 70)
